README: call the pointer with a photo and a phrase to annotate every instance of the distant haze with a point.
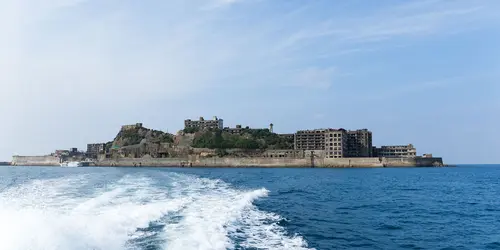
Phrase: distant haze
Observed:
(422, 72)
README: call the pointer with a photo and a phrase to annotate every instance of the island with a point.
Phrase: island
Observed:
(207, 143)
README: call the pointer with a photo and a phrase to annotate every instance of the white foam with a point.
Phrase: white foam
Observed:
(31, 218)
(219, 214)
(197, 213)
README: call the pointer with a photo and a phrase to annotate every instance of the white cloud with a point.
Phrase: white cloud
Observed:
(413, 19)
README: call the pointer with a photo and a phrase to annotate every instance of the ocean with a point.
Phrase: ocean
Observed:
(243, 208)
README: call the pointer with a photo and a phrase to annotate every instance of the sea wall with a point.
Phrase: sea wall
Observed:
(413, 162)
(206, 162)
(273, 162)
(197, 161)
(35, 160)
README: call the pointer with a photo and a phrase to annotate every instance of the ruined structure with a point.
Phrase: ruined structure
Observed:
(404, 151)
(359, 143)
(203, 124)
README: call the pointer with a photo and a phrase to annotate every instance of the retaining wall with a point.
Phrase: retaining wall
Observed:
(195, 161)
(35, 161)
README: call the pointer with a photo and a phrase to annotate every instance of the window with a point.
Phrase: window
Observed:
(335, 144)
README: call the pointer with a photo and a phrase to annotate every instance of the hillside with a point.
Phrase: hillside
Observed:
(247, 139)
(140, 135)
(137, 141)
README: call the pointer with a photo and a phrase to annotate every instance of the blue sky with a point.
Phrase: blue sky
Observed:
(422, 72)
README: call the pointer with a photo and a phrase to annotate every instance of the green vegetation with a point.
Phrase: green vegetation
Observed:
(166, 138)
(136, 136)
(248, 139)
(108, 146)
(191, 130)
(131, 137)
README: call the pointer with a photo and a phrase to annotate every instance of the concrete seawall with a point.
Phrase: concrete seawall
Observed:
(274, 162)
(196, 161)
(35, 160)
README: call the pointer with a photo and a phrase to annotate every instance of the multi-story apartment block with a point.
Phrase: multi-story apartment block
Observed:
(359, 143)
(94, 149)
(310, 139)
(332, 141)
(336, 143)
(203, 124)
(397, 151)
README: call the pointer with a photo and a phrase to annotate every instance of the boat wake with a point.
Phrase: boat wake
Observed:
(175, 211)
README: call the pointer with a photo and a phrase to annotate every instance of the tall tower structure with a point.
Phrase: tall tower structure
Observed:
(271, 127)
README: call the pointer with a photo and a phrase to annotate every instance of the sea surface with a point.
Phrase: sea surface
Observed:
(166, 208)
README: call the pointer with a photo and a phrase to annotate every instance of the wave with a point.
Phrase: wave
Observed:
(174, 211)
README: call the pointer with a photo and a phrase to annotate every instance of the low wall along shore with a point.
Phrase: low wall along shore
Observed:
(35, 160)
(274, 162)
(241, 162)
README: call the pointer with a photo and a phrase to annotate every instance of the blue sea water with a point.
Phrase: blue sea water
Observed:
(161, 208)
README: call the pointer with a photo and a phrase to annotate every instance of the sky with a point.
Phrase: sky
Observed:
(423, 72)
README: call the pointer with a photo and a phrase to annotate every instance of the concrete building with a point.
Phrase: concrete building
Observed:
(310, 139)
(359, 143)
(332, 141)
(61, 153)
(133, 126)
(237, 130)
(94, 149)
(203, 124)
(336, 143)
(405, 151)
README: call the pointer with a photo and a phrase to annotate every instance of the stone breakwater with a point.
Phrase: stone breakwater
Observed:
(241, 162)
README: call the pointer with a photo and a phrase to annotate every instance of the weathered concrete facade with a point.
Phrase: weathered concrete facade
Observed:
(335, 143)
(47, 160)
(202, 124)
(195, 161)
(359, 143)
(310, 139)
(397, 151)
(94, 149)
(311, 160)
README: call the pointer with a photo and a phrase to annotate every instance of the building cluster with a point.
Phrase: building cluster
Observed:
(328, 143)
(95, 149)
(334, 143)
(72, 152)
(341, 143)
